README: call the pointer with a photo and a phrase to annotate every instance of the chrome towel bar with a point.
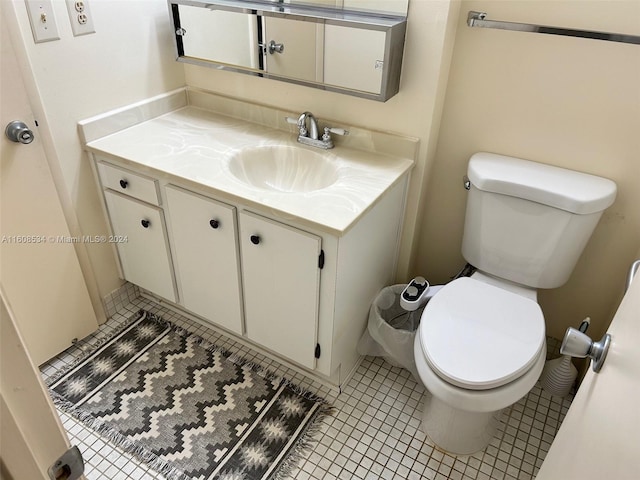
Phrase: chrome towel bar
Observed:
(478, 19)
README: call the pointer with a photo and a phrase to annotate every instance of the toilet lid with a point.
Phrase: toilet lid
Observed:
(479, 336)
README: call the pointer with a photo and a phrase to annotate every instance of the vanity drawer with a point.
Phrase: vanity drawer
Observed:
(129, 183)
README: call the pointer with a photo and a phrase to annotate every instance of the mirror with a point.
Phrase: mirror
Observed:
(348, 51)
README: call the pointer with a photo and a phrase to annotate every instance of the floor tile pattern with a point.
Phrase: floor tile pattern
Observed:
(374, 434)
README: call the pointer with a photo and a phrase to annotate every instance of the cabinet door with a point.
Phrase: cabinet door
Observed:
(142, 246)
(281, 281)
(205, 244)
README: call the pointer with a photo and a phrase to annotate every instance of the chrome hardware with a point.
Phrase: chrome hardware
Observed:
(632, 273)
(580, 345)
(308, 131)
(181, 32)
(275, 47)
(18, 132)
(478, 19)
(467, 183)
(69, 466)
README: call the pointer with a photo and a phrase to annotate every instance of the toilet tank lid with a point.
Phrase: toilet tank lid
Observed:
(576, 192)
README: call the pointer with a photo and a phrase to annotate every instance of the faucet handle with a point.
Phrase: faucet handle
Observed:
(296, 121)
(337, 131)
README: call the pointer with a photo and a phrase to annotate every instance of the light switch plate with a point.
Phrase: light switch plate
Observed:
(43, 22)
(80, 17)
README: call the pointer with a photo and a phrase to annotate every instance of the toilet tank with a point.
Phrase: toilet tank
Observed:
(529, 222)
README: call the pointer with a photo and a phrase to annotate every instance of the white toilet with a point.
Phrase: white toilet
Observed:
(481, 342)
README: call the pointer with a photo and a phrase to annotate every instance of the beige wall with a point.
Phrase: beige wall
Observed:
(569, 102)
(414, 111)
(129, 58)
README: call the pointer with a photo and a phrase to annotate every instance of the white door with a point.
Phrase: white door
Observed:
(207, 263)
(144, 253)
(600, 436)
(281, 281)
(32, 437)
(39, 269)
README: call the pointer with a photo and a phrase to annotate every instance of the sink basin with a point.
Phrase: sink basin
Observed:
(284, 168)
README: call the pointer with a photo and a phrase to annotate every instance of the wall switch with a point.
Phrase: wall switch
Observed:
(43, 22)
(80, 17)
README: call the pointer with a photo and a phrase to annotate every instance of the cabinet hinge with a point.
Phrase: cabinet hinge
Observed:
(321, 260)
(317, 352)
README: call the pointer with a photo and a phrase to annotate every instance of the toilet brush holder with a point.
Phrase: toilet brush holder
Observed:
(558, 376)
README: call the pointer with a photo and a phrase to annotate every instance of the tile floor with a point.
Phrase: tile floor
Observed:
(374, 434)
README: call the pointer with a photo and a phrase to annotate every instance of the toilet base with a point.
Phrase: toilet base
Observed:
(458, 431)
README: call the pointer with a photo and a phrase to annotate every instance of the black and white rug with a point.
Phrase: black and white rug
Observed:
(187, 408)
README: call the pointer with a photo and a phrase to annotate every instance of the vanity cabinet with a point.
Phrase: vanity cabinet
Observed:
(204, 239)
(274, 281)
(142, 246)
(281, 277)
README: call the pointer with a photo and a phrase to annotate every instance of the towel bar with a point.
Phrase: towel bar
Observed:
(478, 19)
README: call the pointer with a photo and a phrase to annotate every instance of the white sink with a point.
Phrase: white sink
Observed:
(284, 168)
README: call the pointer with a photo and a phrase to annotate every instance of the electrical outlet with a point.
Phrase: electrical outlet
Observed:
(80, 17)
(43, 22)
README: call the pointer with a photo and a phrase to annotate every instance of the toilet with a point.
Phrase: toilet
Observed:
(481, 346)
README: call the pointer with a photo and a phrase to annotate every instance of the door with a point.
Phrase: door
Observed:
(301, 56)
(207, 263)
(39, 269)
(281, 279)
(32, 436)
(600, 435)
(143, 251)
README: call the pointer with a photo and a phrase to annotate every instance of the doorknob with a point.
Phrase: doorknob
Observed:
(578, 344)
(18, 132)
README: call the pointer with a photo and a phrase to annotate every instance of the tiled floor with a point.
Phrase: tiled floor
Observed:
(374, 434)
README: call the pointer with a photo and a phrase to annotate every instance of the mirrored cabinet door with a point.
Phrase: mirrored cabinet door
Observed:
(352, 52)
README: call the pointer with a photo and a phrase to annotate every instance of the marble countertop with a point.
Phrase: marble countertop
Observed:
(195, 145)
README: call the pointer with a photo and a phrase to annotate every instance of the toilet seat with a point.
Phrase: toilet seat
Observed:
(479, 336)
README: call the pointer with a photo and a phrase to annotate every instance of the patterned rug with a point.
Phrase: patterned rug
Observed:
(187, 408)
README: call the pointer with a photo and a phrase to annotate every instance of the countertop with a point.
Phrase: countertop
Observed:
(195, 145)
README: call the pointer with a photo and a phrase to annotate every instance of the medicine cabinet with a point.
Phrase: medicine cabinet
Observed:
(337, 49)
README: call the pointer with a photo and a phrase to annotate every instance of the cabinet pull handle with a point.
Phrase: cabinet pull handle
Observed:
(214, 223)
(255, 239)
(124, 183)
(145, 223)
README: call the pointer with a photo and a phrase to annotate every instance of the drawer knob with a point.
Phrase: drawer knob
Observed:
(214, 223)
(145, 223)
(255, 239)
(124, 183)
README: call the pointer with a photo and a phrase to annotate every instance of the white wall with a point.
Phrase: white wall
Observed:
(129, 58)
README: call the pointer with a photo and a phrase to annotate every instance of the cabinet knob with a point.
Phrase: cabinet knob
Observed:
(124, 183)
(145, 223)
(255, 239)
(214, 223)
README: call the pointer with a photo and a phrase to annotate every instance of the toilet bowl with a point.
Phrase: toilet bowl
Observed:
(480, 347)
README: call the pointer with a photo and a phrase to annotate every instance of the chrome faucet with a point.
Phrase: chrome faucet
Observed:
(308, 132)
(308, 125)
